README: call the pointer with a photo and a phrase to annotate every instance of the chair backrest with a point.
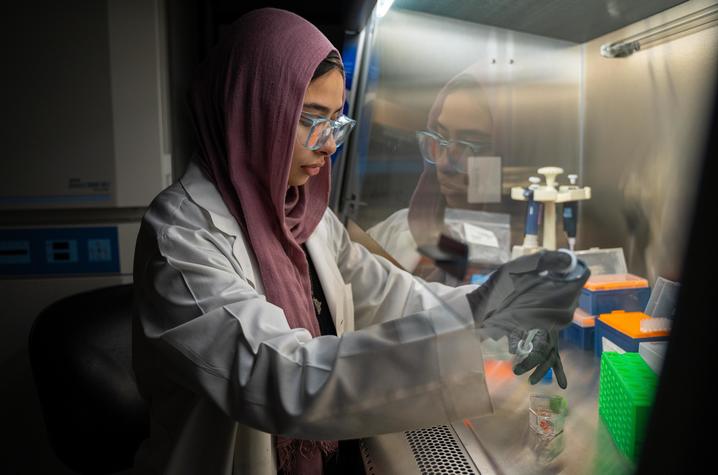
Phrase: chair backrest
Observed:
(81, 355)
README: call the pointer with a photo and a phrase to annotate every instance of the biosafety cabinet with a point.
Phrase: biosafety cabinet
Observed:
(598, 112)
(630, 123)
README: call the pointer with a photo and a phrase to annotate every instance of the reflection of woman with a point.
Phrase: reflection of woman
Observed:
(460, 126)
(248, 288)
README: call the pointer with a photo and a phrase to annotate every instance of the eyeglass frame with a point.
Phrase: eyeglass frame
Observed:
(444, 144)
(334, 124)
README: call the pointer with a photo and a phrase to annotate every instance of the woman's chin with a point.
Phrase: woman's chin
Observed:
(298, 181)
(455, 199)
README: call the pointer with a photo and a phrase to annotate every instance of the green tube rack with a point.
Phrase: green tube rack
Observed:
(626, 390)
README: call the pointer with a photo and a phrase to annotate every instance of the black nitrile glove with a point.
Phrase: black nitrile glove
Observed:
(500, 285)
(529, 292)
(543, 356)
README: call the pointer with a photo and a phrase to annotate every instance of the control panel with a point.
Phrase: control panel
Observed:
(59, 251)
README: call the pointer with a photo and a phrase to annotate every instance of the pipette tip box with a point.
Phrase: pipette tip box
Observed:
(581, 331)
(622, 331)
(653, 353)
(626, 390)
(609, 292)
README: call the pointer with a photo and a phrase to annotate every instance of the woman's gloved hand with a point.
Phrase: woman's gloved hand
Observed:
(543, 356)
(531, 292)
(540, 292)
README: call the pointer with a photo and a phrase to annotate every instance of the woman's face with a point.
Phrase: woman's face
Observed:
(324, 98)
(464, 116)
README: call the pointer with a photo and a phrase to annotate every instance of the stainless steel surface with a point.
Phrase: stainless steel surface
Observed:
(437, 450)
(484, 462)
(570, 20)
(507, 438)
(431, 451)
(533, 86)
(339, 163)
(646, 118)
(388, 454)
(502, 443)
(689, 24)
(346, 196)
(633, 128)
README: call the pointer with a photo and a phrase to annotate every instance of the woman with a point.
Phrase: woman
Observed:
(248, 290)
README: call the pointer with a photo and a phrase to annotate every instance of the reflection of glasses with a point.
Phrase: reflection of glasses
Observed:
(319, 129)
(433, 145)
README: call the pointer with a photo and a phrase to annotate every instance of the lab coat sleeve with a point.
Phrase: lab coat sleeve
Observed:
(381, 291)
(211, 332)
(394, 235)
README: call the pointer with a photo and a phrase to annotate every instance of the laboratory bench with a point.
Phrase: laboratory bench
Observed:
(503, 443)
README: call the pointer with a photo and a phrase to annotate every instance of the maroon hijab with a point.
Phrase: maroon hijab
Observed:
(245, 104)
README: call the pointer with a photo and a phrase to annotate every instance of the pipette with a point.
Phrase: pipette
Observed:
(570, 216)
(533, 214)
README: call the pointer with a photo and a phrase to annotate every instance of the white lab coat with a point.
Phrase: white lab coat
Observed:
(223, 370)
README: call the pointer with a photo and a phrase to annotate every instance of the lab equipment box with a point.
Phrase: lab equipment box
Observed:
(653, 353)
(579, 336)
(606, 293)
(626, 390)
(581, 331)
(604, 261)
(622, 331)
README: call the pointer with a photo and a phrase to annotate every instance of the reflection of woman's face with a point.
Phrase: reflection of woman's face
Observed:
(464, 116)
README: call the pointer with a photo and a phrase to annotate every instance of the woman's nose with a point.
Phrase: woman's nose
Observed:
(329, 147)
(442, 161)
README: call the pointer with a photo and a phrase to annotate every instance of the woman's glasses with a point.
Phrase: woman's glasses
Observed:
(433, 145)
(319, 129)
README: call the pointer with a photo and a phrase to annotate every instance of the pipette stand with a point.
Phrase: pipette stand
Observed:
(549, 194)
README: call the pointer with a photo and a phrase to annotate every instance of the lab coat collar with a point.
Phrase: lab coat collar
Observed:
(203, 192)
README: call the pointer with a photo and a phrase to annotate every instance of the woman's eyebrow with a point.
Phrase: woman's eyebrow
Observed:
(473, 134)
(321, 109)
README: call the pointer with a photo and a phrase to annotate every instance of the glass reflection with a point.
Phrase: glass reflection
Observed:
(632, 129)
(459, 128)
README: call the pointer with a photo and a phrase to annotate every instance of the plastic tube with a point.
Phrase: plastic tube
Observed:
(525, 347)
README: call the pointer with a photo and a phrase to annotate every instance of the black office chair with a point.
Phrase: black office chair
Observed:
(80, 351)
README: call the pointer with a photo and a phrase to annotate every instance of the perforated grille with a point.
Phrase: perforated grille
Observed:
(368, 462)
(437, 451)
